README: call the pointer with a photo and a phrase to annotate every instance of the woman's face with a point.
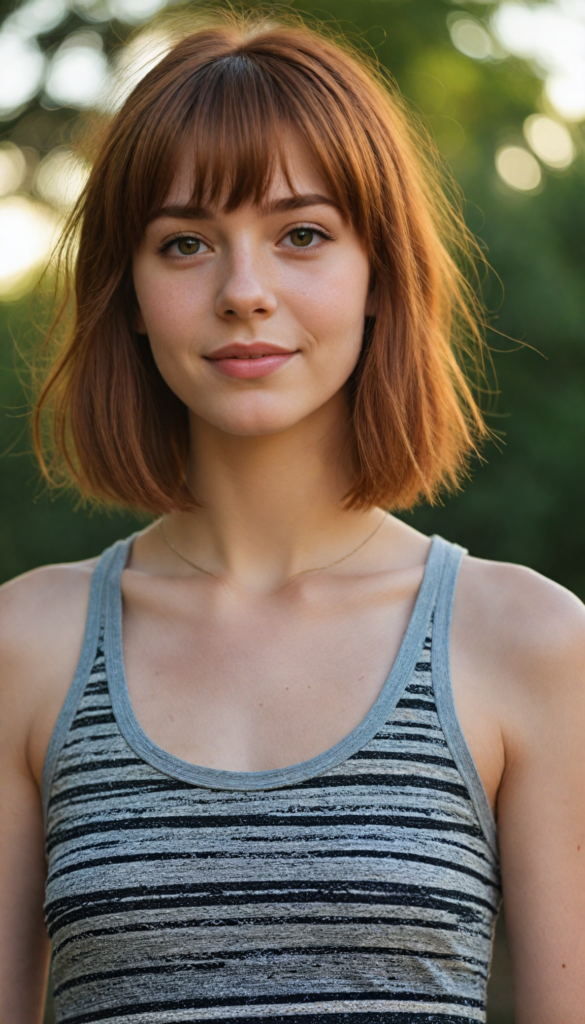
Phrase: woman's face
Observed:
(255, 317)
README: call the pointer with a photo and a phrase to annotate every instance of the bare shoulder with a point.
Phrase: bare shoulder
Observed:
(43, 607)
(42, 622)
(527, 631)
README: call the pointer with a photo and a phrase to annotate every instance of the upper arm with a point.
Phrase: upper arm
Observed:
(41, 630)
(23, 940)
(541, 818)
(533, 651)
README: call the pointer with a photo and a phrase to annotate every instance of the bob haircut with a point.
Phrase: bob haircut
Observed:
(232, 91)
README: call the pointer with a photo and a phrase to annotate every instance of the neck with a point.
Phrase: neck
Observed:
(272, 506)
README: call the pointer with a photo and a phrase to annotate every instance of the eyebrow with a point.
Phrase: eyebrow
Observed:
(284, 205)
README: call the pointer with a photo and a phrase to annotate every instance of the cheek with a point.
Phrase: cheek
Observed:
(167, 315)
(169, 303)
(168, 312)
(332, 307)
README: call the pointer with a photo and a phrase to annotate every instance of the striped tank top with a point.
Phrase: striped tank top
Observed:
(360, 886)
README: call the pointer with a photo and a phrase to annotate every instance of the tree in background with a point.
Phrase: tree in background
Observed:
(501, 88)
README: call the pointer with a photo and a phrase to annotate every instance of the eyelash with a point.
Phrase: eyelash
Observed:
(316, 231)
(165, 246)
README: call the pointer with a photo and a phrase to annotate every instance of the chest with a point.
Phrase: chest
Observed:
(256, 685)
(363, 881)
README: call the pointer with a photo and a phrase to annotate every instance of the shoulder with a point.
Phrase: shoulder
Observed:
(525, 634)
(42, 622)
(40, 606)
(520, 609)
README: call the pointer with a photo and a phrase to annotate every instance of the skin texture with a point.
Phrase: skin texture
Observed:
(254, 670)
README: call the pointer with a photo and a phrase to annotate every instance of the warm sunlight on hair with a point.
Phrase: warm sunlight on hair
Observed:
(230, 94)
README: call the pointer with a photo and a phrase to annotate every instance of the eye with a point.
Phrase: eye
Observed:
(301, 237)
(304, 237)
(184, 245)
(188, 246)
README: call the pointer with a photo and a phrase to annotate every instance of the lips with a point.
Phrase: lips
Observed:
(248, 362)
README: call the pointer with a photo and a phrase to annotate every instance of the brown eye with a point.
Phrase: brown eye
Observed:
(188, 246)
(301, 237)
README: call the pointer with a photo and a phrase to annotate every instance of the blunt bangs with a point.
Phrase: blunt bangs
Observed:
(236, 134)
(229, 96)
(234, 117)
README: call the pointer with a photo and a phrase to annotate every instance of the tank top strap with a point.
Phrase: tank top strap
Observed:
(450, 562)
(106, 567)
(443, 689)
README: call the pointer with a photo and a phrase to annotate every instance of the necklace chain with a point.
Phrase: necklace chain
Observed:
(318, 568)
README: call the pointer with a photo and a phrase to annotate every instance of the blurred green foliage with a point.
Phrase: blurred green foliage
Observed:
(524, 503)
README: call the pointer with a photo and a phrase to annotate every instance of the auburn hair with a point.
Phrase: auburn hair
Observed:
(232, 90)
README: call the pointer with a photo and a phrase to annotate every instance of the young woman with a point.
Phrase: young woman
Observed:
(263, 744)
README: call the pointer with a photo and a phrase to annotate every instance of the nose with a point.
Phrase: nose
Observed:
(245, 291)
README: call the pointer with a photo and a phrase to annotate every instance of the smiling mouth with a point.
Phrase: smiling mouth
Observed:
(250, 350)
(249, 362)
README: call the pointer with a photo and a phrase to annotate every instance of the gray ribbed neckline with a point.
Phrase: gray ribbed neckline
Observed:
(436, 594)
(216, 778)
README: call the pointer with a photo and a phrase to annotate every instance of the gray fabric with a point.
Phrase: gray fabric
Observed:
(446, 704)
(362, 882)
(90, 640)
(199, 776)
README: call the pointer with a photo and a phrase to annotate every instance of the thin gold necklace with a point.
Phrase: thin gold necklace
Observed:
(318, 568)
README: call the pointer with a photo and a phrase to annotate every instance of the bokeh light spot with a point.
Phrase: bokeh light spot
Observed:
(134, 12)
(12, 168)
(37, 16)
(22, 66)
(78, 72)
(552, 37)
(470, 37)
(518, 168)
(516, 28)
(133, 61)
(567, 94)
(550, 140)
(28, 232)
(60, 177)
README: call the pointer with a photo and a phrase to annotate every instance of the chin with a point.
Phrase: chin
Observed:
(254, 418)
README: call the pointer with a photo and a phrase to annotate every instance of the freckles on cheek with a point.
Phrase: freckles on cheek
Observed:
(167, 314)
(336, 302)
(169, 300)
